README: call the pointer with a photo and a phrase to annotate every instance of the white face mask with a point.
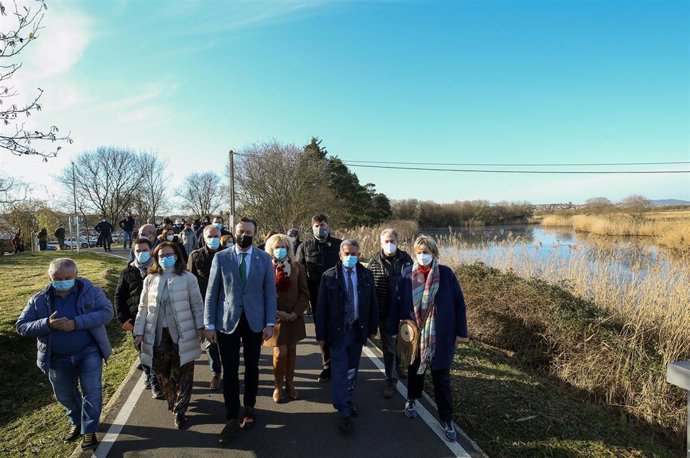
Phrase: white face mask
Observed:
(170, 238)
(424, 259)
(389, 248)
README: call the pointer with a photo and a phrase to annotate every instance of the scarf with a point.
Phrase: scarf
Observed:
(424, 290)
(142, 267)
(282, 271)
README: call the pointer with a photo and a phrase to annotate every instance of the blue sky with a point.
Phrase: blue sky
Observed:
(438, 81)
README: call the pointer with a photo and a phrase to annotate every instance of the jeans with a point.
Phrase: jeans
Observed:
(345, 358)
(213, 355)
(83, 369)
(127, 237)
(389, 352)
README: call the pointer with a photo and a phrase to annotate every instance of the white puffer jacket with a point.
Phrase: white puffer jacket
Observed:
(188, 315)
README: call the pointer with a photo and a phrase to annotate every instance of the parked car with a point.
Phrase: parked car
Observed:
(83, 242)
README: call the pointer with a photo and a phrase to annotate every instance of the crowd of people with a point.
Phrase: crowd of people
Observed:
(193, 284)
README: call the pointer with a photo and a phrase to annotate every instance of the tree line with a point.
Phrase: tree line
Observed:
(461, 213)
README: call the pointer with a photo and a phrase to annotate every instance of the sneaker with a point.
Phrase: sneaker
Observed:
(156, 392)
(410, 409)
(147, 384)
(89, 441)
(389, 390)
(324, 376)
(215, 381)
(74, 433)
(449, 432)
(180, 420)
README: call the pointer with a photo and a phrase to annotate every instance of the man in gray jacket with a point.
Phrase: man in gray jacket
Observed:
(240, 306)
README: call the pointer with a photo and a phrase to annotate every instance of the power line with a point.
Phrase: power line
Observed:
(601, 172)
(513, 164)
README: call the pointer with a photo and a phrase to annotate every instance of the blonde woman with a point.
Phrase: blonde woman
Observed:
(169, 325)
(293, 298)
(430, 295)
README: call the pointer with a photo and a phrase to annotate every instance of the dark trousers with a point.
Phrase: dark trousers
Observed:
(345, 367)
(313, 299)
(442, 393)
(229, 346)
(176, 381)
(389, 351)
(106, 242)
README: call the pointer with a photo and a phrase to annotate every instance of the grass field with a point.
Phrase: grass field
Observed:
(31, 421)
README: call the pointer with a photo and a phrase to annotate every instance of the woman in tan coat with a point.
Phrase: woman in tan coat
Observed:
(169, 325)
(293, 297)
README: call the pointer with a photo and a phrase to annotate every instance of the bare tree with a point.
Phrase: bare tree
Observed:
(12, 191)
(18, 30)
(598, 205)
(281, 186)
(636, 207)
(152, 197)
(108, 179)
(202, 193)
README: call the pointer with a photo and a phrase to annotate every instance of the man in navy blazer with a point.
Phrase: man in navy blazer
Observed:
(240, 305)
(346, 314)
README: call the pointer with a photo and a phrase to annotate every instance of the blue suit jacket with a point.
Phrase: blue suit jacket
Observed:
(226, 299)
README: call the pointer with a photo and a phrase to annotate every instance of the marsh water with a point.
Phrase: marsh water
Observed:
(533, 249)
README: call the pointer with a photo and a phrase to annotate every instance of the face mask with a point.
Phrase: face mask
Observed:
(230, 245)
(170, 238)
(213, 243)
(219, 226)
(167, 262)
(63, 285)
(349, 261)
(424, 259)
(143, 257)
(389, 248)
(280, 253)
(244, 241)
(321, 233)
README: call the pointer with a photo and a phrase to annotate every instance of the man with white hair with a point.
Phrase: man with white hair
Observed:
(68, 319)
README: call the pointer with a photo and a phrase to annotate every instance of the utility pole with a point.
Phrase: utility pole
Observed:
(231, 155)
(75, 240)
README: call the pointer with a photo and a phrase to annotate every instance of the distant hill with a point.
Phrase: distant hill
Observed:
(662, 202)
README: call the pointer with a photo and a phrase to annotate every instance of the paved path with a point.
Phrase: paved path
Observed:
(141, 426)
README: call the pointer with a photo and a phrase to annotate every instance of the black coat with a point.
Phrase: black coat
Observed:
(317, 257)
(386, 271)
(104, 228)
(331, 306)
(199, 264)
(127, 294)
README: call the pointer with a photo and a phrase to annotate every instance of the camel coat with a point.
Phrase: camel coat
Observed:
(188, 315)
(295, 299)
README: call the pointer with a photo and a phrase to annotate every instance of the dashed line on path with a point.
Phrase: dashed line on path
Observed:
(121, 420)
(422, 411)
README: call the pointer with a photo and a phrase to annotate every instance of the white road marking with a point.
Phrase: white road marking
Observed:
(121, 419)
(422, 412)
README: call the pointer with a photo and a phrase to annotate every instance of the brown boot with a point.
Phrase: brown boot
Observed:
(278, 373)
(290, 372)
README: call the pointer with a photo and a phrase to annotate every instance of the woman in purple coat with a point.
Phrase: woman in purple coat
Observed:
(430, 295)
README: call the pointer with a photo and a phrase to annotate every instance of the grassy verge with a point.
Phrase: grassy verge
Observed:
(31, 421)
(556, 375)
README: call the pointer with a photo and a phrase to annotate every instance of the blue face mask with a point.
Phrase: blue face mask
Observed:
(167, 262)
(143, 257)
(279, 253)
(219, 226)
(213, 243)
(349, 261)
(63, 285)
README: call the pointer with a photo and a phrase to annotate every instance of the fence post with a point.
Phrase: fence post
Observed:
(678, 374)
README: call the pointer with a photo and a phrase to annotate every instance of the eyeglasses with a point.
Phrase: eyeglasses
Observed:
(163, 256)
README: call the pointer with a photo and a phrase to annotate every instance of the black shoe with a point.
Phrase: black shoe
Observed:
(74, 433)
(389, 390)
(180, 420)
(354, 412)
(229, 433)
(156, 392)
(345, 425)
(89, 442)
(325, 375)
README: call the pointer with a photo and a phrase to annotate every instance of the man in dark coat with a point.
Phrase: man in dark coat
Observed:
(127, 226)
(105, 231)
(386, 267)
(127, 295)
(346, 315)
(199, 263)
(318, 254)
(60, 236)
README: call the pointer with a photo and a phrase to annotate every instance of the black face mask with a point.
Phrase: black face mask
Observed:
(244, 241)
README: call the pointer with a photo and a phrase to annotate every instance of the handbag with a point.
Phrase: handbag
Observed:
(407, 342)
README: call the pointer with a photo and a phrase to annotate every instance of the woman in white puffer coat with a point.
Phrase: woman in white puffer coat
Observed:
(168, 328)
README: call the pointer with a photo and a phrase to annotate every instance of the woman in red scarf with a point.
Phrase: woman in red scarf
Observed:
(293, 298)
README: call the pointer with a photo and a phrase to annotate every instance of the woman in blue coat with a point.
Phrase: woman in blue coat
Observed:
(430, 295)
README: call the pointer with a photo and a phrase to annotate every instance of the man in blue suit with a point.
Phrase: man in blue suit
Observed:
(240, 306)
(346, 314)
